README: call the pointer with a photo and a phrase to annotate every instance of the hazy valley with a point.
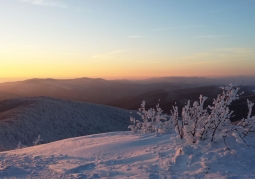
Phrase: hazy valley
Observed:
(128, 94)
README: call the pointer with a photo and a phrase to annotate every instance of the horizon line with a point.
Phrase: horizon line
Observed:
(9, 80)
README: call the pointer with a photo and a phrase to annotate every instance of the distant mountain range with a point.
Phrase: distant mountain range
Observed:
(83, 89)
(201, 81)
(129, 94)
(106, 91)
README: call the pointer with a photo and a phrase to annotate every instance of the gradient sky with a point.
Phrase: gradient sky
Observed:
(115, 39)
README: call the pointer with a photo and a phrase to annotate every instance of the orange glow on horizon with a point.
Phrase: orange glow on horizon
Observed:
(61, 66)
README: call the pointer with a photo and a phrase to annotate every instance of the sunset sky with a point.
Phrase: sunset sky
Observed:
(116, 39)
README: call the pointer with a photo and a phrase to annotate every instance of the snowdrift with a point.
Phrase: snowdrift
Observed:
(55, 119)
(118, 155)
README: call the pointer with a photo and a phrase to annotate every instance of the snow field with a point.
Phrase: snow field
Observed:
(120, 155)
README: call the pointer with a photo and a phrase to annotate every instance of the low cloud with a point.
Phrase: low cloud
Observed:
(219, 55)
(16, 46)
(177, 27)
(236, 50)
(212, 36)
(51, 3)
(134, 36)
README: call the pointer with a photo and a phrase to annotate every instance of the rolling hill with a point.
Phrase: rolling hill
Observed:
(23, 119)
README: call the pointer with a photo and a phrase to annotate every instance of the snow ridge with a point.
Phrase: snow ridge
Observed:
(22, 120)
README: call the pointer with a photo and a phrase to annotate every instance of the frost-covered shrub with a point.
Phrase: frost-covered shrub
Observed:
(200, 123)
(152, 120)
(213, 123)
(38, 140)
(20, 146)
(197, 122)
(136, 124)
(242, 128)
(175, 122)
(193, 120)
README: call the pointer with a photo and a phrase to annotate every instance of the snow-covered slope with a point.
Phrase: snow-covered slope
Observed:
(119, 155)
(54, 119)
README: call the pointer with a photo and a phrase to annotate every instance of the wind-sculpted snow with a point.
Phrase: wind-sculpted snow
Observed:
(121, 155)
(22, 120)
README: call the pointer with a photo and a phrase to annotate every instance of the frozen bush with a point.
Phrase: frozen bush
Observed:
(197, 122)
(152, 120)
(20, 146)
(38, 140)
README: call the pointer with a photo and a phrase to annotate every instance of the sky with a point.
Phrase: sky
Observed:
(133, 39)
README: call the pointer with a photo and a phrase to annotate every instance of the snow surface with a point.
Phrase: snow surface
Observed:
(119, 155)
